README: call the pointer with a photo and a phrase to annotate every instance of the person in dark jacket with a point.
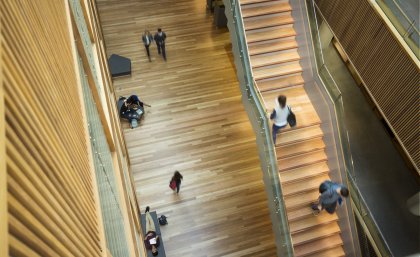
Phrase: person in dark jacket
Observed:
(151, 240)
(134, 100)
(177, 177)
(160, 38)
(331, 194)
(147, 40)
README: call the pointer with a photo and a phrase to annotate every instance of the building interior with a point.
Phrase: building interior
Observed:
(79, 176)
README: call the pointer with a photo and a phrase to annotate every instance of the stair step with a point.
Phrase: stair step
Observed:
(280, 83)
(274, 45)
(270, 7)
(337, 251)
(302, 160)
(277, 70)
(304, 172)
(321, 231)
(312, 221)
(300, 213)
(298, 135)
(276, 32)
(304, 200)
(300, 103)
(306, 185)
(274, 58)
(268, 21)
(244, 2)
(300, 148)
(318, 246)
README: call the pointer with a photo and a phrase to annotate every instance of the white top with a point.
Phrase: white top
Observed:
(281, 115)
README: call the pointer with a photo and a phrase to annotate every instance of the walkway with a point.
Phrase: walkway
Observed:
(197, 125)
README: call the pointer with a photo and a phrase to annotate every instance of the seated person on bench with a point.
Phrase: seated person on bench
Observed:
(151, 240)
(134, 100)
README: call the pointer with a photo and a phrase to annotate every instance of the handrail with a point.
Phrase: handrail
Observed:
(411, 22)
(326, 76)
(399, 19)
(257, 114)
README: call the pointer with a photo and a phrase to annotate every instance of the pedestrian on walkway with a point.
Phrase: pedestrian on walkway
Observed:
(331, 194)
(151, 240)
(176, 178)
(279, 115)
(147, 40)
(160, 38)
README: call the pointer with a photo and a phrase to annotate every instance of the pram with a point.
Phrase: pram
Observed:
(132, 113)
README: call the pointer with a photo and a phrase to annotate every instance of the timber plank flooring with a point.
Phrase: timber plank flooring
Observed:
(197, 125)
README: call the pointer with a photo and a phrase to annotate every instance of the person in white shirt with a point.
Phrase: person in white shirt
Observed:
(279, 115)
(147, 40)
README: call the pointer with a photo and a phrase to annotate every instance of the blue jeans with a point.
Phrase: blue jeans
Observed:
(276, 130)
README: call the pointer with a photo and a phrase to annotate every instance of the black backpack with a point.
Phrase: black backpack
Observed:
(291, 118)
(162, 220)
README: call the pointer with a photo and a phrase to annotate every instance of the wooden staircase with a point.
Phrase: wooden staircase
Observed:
(302, 160)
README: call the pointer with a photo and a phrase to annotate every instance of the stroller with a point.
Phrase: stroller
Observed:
(132, 113)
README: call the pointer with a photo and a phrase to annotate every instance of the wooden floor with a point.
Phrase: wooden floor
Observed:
(196, 125)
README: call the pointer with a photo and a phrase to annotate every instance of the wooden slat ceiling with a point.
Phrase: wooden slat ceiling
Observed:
(389, 73)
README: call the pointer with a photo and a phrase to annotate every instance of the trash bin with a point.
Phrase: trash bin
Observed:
(220, 19)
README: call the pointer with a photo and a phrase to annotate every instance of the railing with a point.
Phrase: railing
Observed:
(112, 215)
(257, 114)
(77, 10)
(405, 25)
(331, 87)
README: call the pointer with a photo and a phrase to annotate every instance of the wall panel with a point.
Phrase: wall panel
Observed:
(389, 74)
(51, 203)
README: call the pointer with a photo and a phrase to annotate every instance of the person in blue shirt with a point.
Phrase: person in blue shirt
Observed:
(331, 194)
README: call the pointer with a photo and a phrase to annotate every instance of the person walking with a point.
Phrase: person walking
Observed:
(147, 40)
(176, 178)
(151, 240)
(160, 38)
(279, 115)
(331, 194)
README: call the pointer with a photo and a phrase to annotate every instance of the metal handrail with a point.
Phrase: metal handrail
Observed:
(360, 202)
(257, 113)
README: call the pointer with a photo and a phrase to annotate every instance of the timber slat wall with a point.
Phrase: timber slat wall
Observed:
(390, 75)
(51, 202)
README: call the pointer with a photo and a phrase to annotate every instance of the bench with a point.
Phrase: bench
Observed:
(161, 248)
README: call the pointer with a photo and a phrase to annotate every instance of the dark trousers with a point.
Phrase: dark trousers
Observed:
(275, 131)
(147, 50)
(178, 186)
(161, 49)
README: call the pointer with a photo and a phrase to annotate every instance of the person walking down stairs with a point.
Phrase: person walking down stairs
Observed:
(330, 197)
(279, 115)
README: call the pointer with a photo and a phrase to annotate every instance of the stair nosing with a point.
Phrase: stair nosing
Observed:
(283, 87)
(301, 153)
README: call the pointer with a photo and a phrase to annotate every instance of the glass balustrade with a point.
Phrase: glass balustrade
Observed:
(258, 117)
(315, 18)
(404, 15)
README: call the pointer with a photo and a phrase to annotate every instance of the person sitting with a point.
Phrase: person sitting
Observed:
(151, 240)
(331, 194)
(134, 100)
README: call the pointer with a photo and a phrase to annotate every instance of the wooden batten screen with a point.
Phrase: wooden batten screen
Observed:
(51, 203)
(108, 191)
(390, 75)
